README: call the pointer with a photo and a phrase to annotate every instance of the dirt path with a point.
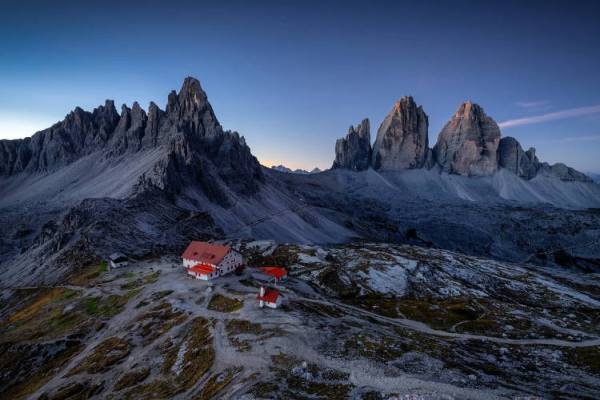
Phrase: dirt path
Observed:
(424, 328)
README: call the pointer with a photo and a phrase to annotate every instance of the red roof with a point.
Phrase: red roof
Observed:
(277, 272)
(202, 269)
(270, 296)
(205, 253)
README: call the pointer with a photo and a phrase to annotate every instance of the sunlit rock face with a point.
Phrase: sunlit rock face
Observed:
(402, 141)
(468, 143)
(512, 157)
(354, 151)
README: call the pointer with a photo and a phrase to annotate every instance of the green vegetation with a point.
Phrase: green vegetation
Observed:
(216, 383)
(198, 358)
(132, 378)
(45, 316)
(441, 314)
(224, 304)
(158, 320)
(75, 391)
(103, 356)
(88, 274)
(284, 256)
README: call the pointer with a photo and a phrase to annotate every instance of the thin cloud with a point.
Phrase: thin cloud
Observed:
(532, 104)
(536, 119)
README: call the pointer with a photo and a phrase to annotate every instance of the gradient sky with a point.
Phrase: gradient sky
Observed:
(291, 76)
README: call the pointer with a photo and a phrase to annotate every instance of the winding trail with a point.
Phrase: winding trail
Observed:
(424, 328)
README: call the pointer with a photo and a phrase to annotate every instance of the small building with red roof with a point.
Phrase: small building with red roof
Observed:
(276, 272)
(268, 297)
(207, 261)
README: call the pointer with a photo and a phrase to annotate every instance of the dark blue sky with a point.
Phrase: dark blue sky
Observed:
(292, 76)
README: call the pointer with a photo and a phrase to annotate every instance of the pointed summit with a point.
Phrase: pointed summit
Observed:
(468, 143)
(402, 141)
(354, 151)
(191, 94)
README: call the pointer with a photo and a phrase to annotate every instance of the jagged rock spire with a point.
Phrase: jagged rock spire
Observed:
(402, 140)
(354, 151)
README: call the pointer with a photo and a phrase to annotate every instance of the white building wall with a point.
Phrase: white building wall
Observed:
(230, 262)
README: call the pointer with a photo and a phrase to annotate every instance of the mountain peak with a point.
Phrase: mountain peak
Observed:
(191, 92)
(402, 141)
(468, 143)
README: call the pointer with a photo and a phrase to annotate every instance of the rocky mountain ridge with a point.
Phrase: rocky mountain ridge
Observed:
(195, 146)
(146, 182)
(470, 144)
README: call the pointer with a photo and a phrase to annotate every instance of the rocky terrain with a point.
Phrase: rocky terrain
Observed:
(463, 271)
(362, 321)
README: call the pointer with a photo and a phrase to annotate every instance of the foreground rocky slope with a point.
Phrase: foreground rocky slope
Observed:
(368, 321)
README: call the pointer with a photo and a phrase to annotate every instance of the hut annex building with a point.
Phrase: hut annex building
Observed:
(208, 261)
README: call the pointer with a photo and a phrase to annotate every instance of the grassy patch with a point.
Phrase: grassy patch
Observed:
(132, 378)
(151, 278)
(109, 306)
(88, 274)
(50, 314)
(75, 391)
(103, 356)
(157, 389)
(283, 255)
(216, 383)
(439, 315)
(186, 360)
(380, 349)
(234, 327)
(158, 320)
(224, 304)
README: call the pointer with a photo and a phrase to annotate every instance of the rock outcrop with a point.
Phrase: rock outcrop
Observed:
(526, 164)
(512, 157)
(402, 141)
(564, 172)
(468, 143)
(354, 151)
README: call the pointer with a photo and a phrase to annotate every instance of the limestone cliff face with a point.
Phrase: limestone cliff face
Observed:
(512, 157)
(402, 141)
(526, 164)
(468, 144)
(354, 151)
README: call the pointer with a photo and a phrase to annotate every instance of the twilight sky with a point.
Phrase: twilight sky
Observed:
(291, 76)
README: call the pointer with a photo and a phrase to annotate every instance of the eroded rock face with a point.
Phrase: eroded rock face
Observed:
(195, 147)
(565, 173)
(402, 141)
(512, 157)
(354, 151)
(468, 144)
